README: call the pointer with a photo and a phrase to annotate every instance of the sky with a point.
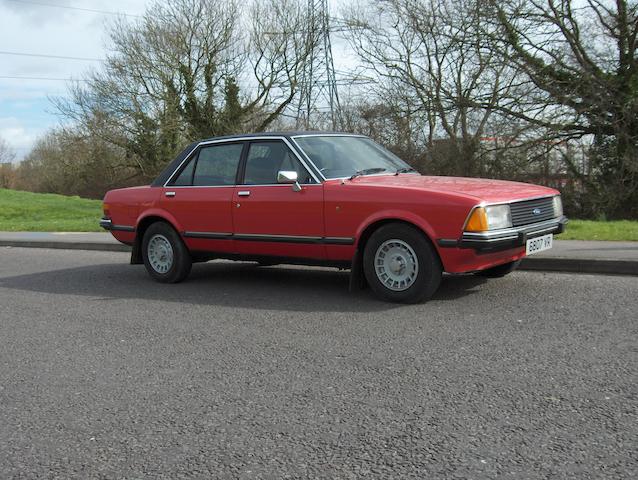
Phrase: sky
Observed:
(34, 27)
(56, 27)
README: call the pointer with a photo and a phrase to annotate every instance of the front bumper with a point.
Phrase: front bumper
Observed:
(506, 238)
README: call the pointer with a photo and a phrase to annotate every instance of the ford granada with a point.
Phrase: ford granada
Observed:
(338, 200)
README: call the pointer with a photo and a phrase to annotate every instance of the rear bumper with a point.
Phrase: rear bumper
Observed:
(107, 224)
(122, 233)
(505, 239)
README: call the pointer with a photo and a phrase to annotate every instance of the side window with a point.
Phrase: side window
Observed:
(267, 158)
(217, 165)
(212, 166)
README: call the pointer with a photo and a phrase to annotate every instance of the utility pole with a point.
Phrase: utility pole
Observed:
(318, 86)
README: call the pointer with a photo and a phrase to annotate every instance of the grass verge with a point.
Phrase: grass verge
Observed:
(618, 230)
(46, 212)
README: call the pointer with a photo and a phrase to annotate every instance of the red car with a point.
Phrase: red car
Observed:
(329, 199)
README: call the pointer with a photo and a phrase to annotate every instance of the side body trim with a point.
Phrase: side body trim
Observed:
(447, 242)
(257, 237)
(211, 235)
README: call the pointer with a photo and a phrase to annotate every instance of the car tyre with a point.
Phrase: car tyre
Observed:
(166, 258)
(401, 265)
(500, 270)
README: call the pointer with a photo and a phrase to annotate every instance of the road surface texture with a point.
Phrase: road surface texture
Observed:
(247, 372)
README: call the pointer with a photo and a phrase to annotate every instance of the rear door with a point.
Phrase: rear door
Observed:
(272, 218)
(200, 196)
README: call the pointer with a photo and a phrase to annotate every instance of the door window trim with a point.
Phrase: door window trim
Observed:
(245, 141)
(242, 168)
(193, 156)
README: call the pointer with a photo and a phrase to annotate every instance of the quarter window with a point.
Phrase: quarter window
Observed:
(186, 177)
(266, 159)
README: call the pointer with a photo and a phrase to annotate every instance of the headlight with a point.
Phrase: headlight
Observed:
(558, 206)
(491, 217)
(498, 216)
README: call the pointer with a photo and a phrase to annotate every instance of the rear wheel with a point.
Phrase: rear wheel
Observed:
(166, 258)
(401, 265)
(499, 270)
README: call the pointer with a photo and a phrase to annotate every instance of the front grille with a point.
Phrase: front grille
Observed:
(532, 211)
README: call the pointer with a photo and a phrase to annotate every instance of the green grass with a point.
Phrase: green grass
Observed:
(46, 212)
(33, 212)
(619, 230)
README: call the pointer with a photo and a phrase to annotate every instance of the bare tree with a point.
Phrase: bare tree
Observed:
(65, 161)
(432, 51)
(581, 59)
(7, 155)
(7, 169)
(281, 42)
(192, 69)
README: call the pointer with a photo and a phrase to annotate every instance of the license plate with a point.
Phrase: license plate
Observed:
(539, 244)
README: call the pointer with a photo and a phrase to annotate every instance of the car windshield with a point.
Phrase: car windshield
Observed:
(345, 156)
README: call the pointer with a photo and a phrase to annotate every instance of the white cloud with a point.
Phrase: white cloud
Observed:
(25, 112)
(19, 137)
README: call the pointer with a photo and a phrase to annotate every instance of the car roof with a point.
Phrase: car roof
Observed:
(287, 134)
(172, 166)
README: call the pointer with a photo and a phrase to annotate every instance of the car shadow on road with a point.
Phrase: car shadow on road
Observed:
(240, 285)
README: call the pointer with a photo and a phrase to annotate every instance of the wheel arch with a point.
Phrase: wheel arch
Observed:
(357, 277)
(142, 224)
(369, 227)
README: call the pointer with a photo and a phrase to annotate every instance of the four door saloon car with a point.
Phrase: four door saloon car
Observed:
(329, 199)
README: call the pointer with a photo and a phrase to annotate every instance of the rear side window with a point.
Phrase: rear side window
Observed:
(213, 166)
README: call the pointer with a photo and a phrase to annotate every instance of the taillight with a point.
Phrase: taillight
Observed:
(106, 208)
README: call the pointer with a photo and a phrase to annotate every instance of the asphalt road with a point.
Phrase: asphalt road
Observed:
(246, 372)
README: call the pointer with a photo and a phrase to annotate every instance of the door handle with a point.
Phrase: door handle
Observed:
(243, 193)
(170, 194)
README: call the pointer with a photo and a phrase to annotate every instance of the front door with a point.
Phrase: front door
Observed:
(200, 195)
(274, 219)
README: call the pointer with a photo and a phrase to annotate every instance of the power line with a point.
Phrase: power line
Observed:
(90, 10)
(42, 55)
(12, 77)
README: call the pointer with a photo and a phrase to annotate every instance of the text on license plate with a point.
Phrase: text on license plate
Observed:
(539, 244)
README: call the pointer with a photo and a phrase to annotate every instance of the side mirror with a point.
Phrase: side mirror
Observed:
(289, 177)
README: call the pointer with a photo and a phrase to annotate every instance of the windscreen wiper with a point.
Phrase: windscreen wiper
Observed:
(404, 170)
(367, 171)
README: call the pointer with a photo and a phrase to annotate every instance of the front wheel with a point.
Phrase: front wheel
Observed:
(166, 258)
(401, 265)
